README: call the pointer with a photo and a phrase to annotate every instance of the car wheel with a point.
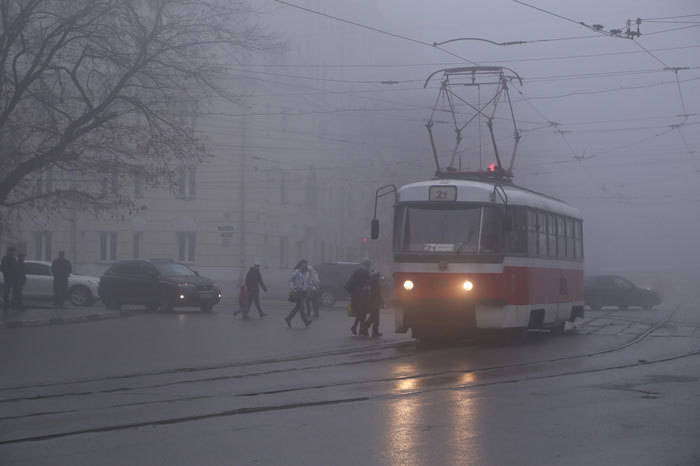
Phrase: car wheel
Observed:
(80, 296)
(558, 329)
(167, 301)
(327, 298)
(153, 307)
(111, 303)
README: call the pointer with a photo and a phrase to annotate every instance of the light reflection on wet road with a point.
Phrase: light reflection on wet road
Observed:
(340, 400)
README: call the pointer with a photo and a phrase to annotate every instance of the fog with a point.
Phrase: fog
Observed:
(332, 106)
(597, 127)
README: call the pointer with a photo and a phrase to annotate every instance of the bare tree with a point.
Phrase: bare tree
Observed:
(90, 89)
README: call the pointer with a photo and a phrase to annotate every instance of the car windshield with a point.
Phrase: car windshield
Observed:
(455, 228)
(173, 269)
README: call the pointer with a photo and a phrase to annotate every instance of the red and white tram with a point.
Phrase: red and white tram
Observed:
(484, 254)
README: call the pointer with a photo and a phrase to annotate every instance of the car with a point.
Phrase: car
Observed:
(613, 290)
(82, 289)
(333, 277)
(157, 284)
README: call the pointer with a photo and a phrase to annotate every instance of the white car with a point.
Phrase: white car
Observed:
(82, 289)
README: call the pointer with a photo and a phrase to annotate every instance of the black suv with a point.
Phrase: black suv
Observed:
(333, 277)
(613, 290)
(157, 284)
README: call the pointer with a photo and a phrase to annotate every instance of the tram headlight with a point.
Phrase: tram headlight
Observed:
(468, 285)
(408, 285)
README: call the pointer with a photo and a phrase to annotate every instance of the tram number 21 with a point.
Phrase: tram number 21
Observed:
(442, 193)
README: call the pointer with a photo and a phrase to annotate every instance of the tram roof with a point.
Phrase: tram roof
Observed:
(480, 191)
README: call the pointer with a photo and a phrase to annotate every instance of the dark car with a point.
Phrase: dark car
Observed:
(157, 284)
(333, 277)
(613, 290)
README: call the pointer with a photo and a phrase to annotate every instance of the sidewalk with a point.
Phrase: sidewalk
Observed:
(40, 316)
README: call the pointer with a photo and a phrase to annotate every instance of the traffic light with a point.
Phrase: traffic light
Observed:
(364, 240)
(492, 167)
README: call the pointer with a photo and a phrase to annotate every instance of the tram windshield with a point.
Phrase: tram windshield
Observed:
(454, 228)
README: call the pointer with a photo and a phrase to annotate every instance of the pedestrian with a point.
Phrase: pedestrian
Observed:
(313, 302)
(253, 282)
(61, 270)
(375, 303)
(18, 290)
(299, 286)
(358, 286)
(9, 275)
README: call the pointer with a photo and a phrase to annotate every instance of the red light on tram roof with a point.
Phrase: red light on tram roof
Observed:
(492, 167)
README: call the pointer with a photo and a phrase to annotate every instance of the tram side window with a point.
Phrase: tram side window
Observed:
(561, 236)
(579, 239)
(541, 234)
(531, 232)
(552, 235)
(492, 230)
(570, 238)
(516, 231)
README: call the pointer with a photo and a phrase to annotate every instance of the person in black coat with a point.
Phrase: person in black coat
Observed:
(9, 275)
(18, 289)
(375, 303)
(358, 286)
(61, 269)
(253, 282)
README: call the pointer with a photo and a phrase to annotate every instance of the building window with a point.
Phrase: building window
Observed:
(187, 183)
(300, 250)
(108, 245)
(284, 245)
(139, 182)
(44, 183)
(138, 239)
(109, 182)
(283, 188)
(42, 245)
(311, 191)
(186, 241)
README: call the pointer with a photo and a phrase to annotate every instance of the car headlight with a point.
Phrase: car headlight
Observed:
(408, 285)
(467, 285)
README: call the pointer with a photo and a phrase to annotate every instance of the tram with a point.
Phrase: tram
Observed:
(480, 253)
(471, 250)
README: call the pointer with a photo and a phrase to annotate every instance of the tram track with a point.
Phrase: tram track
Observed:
(620, 347)
(313, 404)
(381, 380)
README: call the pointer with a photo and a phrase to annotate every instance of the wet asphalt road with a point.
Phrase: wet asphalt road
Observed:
(189, 388)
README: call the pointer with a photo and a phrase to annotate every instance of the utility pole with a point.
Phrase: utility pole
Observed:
(242, 202)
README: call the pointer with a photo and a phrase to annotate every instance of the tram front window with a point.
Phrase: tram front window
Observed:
(461, 229)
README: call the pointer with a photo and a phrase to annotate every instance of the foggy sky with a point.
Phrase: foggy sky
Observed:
(637, 185)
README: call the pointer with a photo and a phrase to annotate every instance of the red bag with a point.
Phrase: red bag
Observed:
(243, 297)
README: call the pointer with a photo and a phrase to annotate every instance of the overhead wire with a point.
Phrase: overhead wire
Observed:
(374, 29)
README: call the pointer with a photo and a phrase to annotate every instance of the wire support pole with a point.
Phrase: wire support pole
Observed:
(516, 132)
(429, 127)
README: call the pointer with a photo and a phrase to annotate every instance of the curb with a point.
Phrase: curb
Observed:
(66, 320)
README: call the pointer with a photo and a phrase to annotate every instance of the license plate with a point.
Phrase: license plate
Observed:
(206, 295)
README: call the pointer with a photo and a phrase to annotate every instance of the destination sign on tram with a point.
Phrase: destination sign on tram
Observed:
(442, 193)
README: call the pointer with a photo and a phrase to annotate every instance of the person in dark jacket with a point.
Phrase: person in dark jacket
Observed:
(18, 290)
(61, 269)
(9, 275)
(253, 282)
(358, 286)
(375, 303)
